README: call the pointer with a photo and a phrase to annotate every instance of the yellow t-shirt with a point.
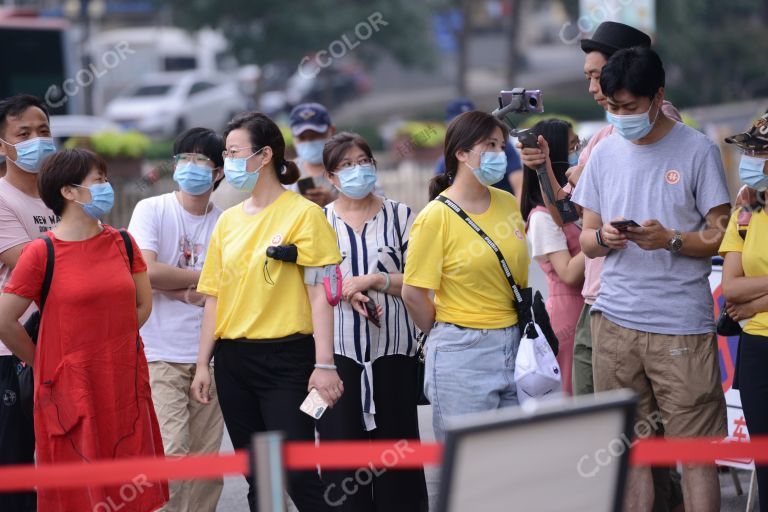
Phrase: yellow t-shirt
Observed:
(754, 258)
(447, 255)
(255, 302)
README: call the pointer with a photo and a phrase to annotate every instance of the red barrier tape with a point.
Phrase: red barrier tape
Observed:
(335, 455)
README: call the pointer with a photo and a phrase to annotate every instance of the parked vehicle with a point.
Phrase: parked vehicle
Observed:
(165, 104)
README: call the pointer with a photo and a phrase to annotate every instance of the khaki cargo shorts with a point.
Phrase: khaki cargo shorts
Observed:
(676, 375)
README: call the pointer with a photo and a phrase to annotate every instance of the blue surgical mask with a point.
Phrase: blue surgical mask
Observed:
(31, 153)
(573, 158)
(632, 126)
(751, 172)
(194, 179)
(237, 175)
(493, 167)
(102, 200)
(311, 151)
(357, 182)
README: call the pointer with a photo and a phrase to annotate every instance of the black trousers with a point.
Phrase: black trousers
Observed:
(17, 435)
(260, 387)
(367, 489)
(753, 386)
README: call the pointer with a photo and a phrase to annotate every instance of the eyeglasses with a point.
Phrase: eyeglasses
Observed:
(238, 152)
(197, 158)
(348, 164)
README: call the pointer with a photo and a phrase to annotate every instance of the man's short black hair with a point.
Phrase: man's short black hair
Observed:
(638, 70)
(203, 141)
(15, 106)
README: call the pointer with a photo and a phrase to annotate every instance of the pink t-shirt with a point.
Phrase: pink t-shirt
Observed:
(593, 267)
(22, 219)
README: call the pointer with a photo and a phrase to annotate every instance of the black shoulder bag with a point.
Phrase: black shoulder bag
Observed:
(32, 326)
(529, 306)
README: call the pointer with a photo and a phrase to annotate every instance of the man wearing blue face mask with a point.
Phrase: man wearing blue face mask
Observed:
(173, 231)
(311, 128)
(25, 141)
(656, 206)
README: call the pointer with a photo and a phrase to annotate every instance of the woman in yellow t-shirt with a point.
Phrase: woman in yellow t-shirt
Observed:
(472, 323)
(260, 313)
(745, 287)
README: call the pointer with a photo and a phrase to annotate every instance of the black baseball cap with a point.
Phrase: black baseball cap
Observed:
(611, 37)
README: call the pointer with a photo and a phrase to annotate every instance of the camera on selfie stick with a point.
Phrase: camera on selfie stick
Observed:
(521, 101)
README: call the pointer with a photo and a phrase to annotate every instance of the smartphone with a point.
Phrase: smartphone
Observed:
(622, 225)
(373, 314)
(305, 184)
(314, 405)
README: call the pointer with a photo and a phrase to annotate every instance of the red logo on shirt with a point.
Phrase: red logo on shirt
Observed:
(277, 239)
(672, 177)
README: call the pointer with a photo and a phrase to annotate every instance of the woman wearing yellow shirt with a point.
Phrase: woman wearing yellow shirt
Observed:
(260, 313)
(745, 287)
(472, 323)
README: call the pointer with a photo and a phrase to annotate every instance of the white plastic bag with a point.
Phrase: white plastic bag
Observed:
(537, 373)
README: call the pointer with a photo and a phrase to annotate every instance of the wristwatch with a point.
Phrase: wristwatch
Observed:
(676, 243)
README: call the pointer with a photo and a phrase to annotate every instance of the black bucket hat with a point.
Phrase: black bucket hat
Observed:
(611, 37)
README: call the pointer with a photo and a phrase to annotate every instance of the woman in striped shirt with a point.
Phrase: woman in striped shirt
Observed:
(374, 340)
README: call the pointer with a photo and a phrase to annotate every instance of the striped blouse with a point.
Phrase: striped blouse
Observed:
(380, 246)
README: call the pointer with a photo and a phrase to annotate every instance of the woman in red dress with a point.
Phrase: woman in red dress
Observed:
(92, 395)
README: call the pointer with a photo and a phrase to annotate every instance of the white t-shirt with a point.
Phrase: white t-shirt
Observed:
(22, 219)
(161, 225)
(544, 235)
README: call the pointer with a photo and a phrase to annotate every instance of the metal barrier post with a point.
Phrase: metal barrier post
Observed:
(268, 471)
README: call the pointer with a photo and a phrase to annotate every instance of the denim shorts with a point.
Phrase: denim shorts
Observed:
(469, 370)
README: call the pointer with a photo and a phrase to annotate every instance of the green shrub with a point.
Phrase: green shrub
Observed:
(111, 144)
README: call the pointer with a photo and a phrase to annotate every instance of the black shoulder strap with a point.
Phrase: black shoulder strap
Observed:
(48, 272)
(504, 267)
(128, 246)
(396, 220)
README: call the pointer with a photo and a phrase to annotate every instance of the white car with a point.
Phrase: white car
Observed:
(165, 104)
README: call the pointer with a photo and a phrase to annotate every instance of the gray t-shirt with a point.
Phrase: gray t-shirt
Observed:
(676, 181)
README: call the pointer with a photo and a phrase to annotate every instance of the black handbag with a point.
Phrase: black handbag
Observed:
(727, 326)
(529, 306)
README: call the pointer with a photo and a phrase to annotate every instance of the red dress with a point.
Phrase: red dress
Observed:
(92, 394)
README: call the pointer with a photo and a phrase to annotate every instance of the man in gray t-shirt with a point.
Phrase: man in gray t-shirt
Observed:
(652, 324)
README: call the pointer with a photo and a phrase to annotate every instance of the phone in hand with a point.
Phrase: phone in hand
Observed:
(314, 405)
(305, 184)
(623, 225)
(373, 314)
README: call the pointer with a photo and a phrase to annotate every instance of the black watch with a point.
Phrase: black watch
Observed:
(676, 244)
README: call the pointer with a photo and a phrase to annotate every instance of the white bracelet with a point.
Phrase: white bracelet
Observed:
(388, 282)
(325, 366)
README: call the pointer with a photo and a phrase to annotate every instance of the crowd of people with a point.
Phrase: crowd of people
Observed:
(149, 341)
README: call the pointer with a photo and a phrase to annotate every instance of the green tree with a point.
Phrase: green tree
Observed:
(262, 31)
(713, 51)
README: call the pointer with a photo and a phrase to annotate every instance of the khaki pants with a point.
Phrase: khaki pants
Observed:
(187, 427)
(676, 375)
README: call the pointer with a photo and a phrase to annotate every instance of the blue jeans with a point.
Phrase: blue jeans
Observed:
(469, 370)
